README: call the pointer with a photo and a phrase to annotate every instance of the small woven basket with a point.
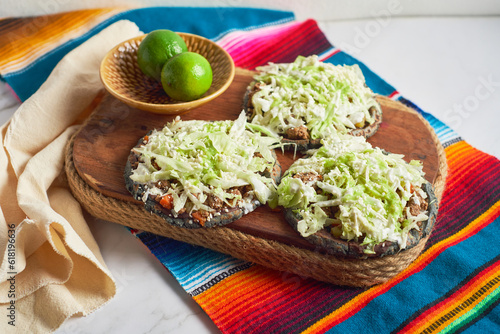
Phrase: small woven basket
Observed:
(123, 78)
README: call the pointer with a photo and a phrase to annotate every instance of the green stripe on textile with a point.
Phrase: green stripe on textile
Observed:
(476, 311)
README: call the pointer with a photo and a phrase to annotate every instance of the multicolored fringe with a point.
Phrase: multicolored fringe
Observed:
(452, 287)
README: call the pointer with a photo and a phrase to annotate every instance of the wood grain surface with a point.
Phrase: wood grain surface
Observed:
(102, 146)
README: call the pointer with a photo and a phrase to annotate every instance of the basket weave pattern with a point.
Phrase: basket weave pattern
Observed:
(122, 77)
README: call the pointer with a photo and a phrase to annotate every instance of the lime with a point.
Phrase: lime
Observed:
(156, 48)
(186, 76)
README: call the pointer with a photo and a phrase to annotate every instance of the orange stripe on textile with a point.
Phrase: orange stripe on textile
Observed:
(21, 44)
(257, 294)
(225, 301)
(461, 157)
(222, 291)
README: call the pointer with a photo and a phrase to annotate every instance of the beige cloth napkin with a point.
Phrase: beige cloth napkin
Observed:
(51, 267)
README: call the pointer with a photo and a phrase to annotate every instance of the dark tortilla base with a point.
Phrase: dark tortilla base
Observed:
(184, 220)
(351, 249)
(307, 144)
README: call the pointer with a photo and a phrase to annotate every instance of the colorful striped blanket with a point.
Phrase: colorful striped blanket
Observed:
(454, 286)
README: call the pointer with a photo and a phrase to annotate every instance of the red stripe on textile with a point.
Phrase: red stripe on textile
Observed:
(240, 49)
(306, 311)
(270, 297)
(302, 311)
(458, 209)
(268, 50)
(281, 308)
(253, 305)
(252, 286)
(453, 208)
(327, 55)
(461, 179)
(463, 182)
(393, 94)
(460, 159)
(461, 190)
(282, 47)
(249, 302)
(331, 301)
(233, 40)
(316, 43)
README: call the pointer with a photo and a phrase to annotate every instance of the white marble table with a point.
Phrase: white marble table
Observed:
(448, 66)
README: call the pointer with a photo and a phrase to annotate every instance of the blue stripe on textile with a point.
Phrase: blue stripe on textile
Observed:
(447, 136)
(197, 255)
(386, 312)
(187, 263)
(198, 21)
(205, 264)
(209, 263)
(443, 132)
(208, 273)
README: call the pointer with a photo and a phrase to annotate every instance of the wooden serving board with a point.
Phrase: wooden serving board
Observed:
(101, 148)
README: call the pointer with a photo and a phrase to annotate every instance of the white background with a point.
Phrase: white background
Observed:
(442, 55)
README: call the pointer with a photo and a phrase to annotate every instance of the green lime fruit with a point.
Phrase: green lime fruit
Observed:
(186, 76)
(156, 49)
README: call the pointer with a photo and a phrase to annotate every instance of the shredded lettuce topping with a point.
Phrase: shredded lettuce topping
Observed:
(201, 159)
(323, 97)
(358, 190)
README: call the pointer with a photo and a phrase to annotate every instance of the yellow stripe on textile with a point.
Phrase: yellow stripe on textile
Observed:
(22, 40)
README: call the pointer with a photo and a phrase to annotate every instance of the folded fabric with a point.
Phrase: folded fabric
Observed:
(51, 264)
(453, 286)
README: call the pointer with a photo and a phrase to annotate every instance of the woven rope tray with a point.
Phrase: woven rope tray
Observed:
(108, 202)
